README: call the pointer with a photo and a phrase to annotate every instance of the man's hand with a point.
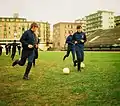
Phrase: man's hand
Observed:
(76, 42)
(36, 46)
(82, 41)
(30, 46)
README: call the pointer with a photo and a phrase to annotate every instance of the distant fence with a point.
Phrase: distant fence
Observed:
(102, 48)
(98, 48)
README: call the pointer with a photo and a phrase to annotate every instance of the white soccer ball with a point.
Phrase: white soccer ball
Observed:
(66, 70)
(82, 65)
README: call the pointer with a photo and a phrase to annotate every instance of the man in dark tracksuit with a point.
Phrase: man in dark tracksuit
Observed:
(28, 45)
(71, 46)
(79, 38)
(14, 44)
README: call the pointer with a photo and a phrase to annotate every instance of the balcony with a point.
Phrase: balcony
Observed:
(93, 18)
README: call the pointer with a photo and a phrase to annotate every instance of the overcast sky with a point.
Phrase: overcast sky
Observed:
(56, 10)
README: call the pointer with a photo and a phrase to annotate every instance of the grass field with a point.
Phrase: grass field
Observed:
(97, 85)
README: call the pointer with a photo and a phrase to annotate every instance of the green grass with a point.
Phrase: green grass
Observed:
(97, 85)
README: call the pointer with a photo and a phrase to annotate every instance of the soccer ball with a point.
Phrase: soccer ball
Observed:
(82, 65)
(66, 70)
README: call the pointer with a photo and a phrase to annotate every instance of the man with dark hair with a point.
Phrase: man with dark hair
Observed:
(14, 44)
(70, 47)
(79, 38)
(28, 45)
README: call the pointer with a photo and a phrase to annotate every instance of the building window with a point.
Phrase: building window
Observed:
(23, 29)
(65, 31)
(5, 29)
(68, 26)
(5, 34)
(58, 44)
(4, 25)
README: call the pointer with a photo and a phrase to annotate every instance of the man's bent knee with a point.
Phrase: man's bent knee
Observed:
(21, 63)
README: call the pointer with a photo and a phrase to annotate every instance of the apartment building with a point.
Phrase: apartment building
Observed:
(99, 20)
(117, 21)
(11, 28)
(60, 32)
